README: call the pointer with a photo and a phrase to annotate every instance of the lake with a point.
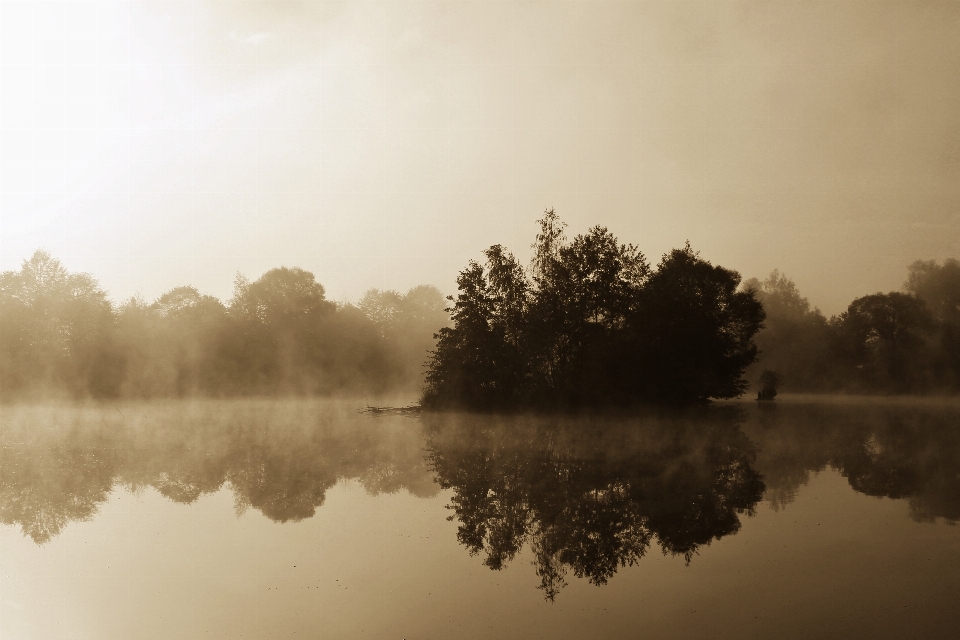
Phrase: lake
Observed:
(806, 517)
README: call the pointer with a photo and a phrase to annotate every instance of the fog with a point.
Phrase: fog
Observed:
(381, 144)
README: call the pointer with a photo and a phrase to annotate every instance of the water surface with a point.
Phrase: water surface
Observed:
(262, 518)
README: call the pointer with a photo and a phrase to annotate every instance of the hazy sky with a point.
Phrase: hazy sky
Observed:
(384, 144)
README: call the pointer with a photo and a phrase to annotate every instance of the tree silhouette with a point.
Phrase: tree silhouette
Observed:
(696, 329)
(884, 337)
(590, 324)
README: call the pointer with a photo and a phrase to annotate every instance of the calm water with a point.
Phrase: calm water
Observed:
(280, 519)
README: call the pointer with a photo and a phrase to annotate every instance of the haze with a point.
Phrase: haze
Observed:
(385, 144)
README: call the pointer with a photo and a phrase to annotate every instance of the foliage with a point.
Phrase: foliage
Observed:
(769, 382)
(796, 339)
(883, 337)
(896, 342)
(57, 332)
(590, 323)
(939, 287)
(696, 329)
(405, 324)
(60, 335)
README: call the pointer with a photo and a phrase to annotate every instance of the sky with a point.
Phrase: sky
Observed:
(385, 144)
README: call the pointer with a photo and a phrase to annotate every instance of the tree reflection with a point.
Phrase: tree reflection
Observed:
(585, 496)
(45, 484)
(280, 458)
(590, 495)
(886, 450)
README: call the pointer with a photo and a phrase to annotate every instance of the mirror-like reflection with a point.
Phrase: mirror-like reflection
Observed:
(590, 495)
(907, 451)
(585, 495)
(57, 464)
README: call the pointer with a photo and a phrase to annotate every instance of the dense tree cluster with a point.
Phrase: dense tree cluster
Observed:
(898, 342)
(61, 335)
(590, 322)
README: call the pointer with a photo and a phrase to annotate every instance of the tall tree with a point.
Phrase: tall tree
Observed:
(58, 332)
(884, 337)
(474, 363)
(695, 330)
(406, 324)
(276, 338)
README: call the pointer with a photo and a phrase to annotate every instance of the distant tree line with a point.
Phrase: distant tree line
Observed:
(588, 322)
(61, 335)
(591, 323)
(899, 342)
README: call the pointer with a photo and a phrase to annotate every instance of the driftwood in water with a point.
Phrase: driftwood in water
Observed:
(409, 410)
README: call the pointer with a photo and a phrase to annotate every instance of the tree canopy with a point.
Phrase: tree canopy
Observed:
(61, 336)
(590, 323)
(897, 342)
(57, 331)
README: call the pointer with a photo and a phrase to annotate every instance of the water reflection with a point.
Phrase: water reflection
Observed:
(590, 495)
(907, 452)
(58, 464)
(586, 495)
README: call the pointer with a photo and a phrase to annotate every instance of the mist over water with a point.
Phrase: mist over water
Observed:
(560, 509)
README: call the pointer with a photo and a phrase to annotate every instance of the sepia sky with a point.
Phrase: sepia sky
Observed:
(383, 144)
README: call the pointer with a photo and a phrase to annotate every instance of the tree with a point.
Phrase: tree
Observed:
(383, 308)
(884, 338)
(795, 339)
(58, 332)
(406, 324)
(695, 330)
(274, 341)
(281, 298)
(169, 346)
(474, 364)
(580, 299)
(769, 381)
(939, 287)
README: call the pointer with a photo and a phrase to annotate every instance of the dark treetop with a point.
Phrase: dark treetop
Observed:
(590, 323)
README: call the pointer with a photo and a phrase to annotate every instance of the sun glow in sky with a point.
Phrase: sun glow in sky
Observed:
(383, 144)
